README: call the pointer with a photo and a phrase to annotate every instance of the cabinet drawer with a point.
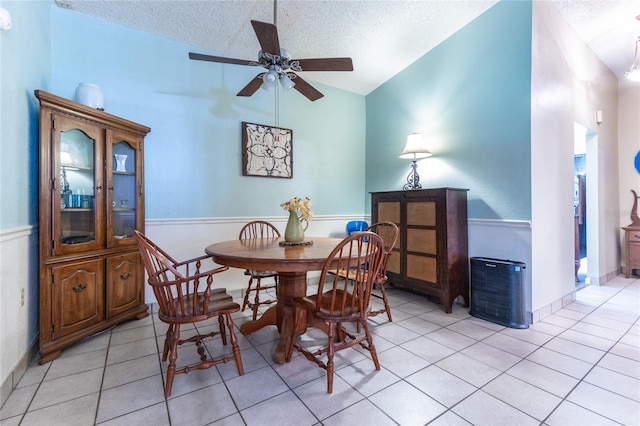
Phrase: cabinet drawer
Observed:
(422, 241)
(422, 268)
(389, 212)
(634, 255)
(634, 236)
(421, 213)
(393, 263)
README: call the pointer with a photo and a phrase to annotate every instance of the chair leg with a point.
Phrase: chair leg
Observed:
(298, 318)
(234, 344)
(173, 355)
(167, 342)
(386, 301)
(256, 301)
(245, 303)
(372, 348)
(223, 333)
(330, 355)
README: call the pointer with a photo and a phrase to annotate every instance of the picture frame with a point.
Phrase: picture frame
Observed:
(267, 151)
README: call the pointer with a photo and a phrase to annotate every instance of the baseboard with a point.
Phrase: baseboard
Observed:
(21, 367)
(554, 306)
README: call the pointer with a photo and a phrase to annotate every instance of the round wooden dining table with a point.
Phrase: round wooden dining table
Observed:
(291, 262)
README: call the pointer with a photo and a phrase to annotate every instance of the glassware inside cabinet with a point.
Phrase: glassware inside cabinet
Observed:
(123, 197)
(77, 183)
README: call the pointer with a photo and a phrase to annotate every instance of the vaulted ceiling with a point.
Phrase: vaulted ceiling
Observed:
(382, 37)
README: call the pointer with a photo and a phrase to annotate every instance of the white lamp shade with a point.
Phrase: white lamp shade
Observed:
(269, 80)
(5, 19)
(286, 82)
(415, 148)
(633, 74)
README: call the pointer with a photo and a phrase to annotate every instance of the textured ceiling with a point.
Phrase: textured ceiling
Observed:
(382, 37)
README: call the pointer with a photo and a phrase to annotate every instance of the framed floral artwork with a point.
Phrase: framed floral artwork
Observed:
(267, 151)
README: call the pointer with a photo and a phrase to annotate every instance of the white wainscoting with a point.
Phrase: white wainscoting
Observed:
(18, 321)
(503, 239)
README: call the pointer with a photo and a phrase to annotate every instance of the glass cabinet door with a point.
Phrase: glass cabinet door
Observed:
(125, 185)
(76, 199)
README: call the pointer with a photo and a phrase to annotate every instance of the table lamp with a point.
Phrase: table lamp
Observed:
(415, 149)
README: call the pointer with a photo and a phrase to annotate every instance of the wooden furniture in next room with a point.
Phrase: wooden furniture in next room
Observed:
(632, 239)
(632, 249)
(91, 200)
(432, 254)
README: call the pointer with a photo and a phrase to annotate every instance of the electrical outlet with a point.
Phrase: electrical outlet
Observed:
(22, 296)
(65, 4)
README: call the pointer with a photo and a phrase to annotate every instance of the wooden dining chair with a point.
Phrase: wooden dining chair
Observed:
(185, 295)
(258, 229)
(389, 232)
(337, 302)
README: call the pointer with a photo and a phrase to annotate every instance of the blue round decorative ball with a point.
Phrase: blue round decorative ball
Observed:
(637, 162)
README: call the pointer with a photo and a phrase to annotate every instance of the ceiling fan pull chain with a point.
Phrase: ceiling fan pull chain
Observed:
(277, 106)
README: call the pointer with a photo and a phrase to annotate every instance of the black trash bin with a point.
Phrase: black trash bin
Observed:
(497, 291)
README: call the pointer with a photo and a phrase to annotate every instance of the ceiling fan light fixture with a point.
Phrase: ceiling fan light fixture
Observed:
(286, 82)
(633, 73)
(269, 80)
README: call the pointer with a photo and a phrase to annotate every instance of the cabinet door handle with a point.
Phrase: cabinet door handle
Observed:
(80, 288)
(125, 275)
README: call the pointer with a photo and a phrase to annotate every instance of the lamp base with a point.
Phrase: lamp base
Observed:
(413, 179)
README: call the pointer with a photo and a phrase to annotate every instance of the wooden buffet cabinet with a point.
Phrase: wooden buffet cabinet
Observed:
(632, 239)
(632, 249)
(91, 274)
(431, 256)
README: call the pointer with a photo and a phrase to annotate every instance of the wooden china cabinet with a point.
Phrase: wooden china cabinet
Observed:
(91, 201)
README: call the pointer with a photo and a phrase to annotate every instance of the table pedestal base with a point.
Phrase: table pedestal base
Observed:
(283, 315)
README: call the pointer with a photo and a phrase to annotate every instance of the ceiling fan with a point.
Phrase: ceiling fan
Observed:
(279, 65)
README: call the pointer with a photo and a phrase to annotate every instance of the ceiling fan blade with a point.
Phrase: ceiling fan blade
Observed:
(201, 57)
(253, 85)
(305, 88)
(267, 36)
(322, 64)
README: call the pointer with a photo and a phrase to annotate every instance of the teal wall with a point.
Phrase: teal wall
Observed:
(193, 153)
(24, 64)
(471, 97)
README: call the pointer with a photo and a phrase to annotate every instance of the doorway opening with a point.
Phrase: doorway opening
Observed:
(580, 210)
(585, 178)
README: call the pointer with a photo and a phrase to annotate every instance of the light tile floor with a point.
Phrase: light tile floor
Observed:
(579, 366)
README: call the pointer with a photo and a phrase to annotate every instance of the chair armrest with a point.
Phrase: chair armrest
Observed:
(194, 260)
(191, 267)
(207, 273)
